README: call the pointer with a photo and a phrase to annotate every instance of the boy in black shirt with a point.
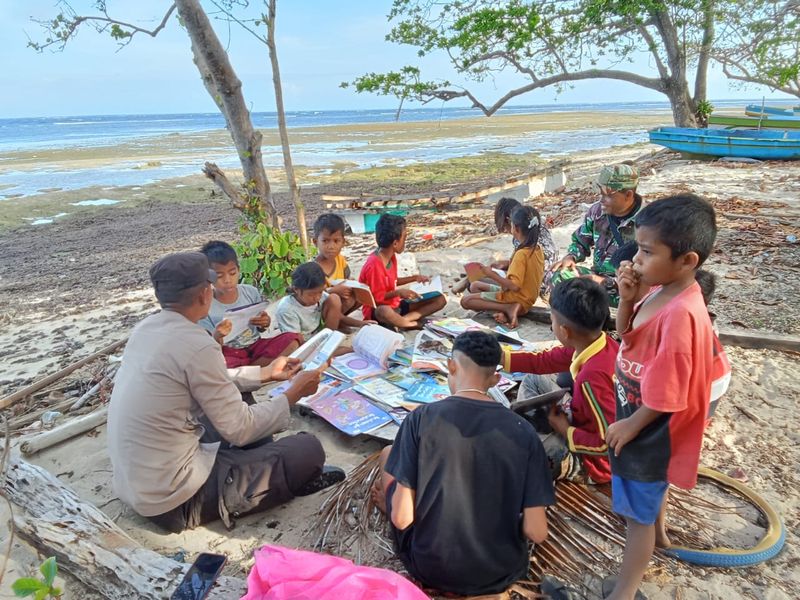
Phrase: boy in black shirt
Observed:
(466, 482)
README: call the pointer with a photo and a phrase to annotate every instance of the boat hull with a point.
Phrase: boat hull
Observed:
(773, 144)
(755, 110)
(767, 122)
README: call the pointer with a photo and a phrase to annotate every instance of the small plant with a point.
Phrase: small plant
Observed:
(39, 588)
(267, 256)
(704, 110)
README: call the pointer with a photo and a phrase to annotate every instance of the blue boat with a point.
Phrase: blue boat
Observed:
(771, 144)
(756, 110)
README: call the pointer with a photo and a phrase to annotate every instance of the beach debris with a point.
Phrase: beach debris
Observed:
(49, 418)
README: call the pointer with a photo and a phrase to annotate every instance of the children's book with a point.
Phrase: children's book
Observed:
(428, 290)
(401, 357)
(361, 291)
(240, 318)
(349, 411)
(377, 343)
(453, 327)
(355, 367)
(380, 390)
(426, 392)
(403, 377)
(318, 349)
(431, 352)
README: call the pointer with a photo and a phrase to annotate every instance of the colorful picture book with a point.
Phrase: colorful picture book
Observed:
(377, 343)
(349, 411)
(361, 291)
(240, 318)
(404, 377)
(453, 327)
(381, 390)
(426, 392)
(318, 349)
(431, 352)
(355, 367)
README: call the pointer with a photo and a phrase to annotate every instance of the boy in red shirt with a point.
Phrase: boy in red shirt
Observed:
(579, 308)
(380, 274)
(664, 372)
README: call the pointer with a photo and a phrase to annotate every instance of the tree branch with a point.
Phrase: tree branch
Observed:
(749, 78)
(651, 44)
(701, 77)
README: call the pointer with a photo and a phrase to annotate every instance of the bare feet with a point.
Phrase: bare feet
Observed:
(662, 539)
(511, 314)
(378, 496)
(500, 317)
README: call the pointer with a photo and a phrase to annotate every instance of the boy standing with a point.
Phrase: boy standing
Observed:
(664, 373)
(466, 482)
(249, 348)
(579, 308)
(380, 274)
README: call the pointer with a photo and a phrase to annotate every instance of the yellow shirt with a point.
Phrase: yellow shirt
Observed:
(527, 271)
(341, 270)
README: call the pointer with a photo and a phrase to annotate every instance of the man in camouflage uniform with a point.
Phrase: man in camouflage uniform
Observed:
(607, 225)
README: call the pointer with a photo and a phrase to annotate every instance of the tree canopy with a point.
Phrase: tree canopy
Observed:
(553, 43)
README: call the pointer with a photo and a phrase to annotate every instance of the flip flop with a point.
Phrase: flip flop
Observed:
(555, 590)
(609, 583)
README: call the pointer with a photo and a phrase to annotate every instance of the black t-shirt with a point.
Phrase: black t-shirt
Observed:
(475, 466)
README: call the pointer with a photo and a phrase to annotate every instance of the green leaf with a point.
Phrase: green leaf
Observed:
(43, 593)
(49, 570)
(275, 283)
(27, 586)
(281, 247)
(249, 265)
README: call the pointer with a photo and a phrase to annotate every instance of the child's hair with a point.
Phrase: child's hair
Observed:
(307, 277)
(527, 219)
(389, 229)
(502, 212)
(480, 347)
(582, 302)
(625, 252)
(328, 222)
(683, 222)
(218, 252)
(708, 284)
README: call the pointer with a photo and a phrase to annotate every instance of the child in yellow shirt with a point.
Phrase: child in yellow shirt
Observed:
(329, 240)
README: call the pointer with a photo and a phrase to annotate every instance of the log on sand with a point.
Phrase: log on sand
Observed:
(35, 443)
(89, 545)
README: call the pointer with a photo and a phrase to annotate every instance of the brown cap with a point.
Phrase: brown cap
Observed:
(174, 273)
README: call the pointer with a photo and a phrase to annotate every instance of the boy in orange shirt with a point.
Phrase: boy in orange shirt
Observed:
(664, 373)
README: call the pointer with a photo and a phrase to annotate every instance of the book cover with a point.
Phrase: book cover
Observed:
(361, 291)
(431, 352)
(428, 290)
(426, 392)
(381, 390)
(355, 367)
(349, 411)
(403, 377)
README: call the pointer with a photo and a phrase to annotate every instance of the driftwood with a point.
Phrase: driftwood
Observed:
(88, 544)
(35, 387)
(759, 340)
(41, 441)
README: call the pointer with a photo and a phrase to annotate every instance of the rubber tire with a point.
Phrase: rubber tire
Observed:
(765, 549)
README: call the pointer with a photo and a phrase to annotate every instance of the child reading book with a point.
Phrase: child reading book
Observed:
(308, 307)
(577, 451)
(664, 371)
(466, 483)
(395, 306)
(514, 294)
(247, 348)
(502, 220)
(329, 239)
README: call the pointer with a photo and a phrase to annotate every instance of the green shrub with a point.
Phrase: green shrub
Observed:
(39, 588)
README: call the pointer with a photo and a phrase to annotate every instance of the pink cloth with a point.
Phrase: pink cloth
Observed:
(286, 574)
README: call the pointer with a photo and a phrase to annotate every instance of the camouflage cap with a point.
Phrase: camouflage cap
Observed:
(618, 177)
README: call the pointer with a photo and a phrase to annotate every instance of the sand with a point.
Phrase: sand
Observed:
(76, 285)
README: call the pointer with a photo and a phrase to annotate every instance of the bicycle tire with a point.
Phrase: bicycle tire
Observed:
(767, 547)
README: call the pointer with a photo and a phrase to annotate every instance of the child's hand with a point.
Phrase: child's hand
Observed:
(407, 294)
(422, 278)
(486, 270)
(342, 291)
(223, 329)
(558, 420)
(262, 321)
(619, 434)
(629, 282)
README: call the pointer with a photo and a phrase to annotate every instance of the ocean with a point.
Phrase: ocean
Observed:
(32, 135)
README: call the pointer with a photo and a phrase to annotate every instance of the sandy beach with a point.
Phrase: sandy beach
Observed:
(74, 285)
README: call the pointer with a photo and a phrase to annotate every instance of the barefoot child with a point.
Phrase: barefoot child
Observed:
(502, 220)
(513, 295)
(249, 348)
(329, 240)
(575, 439)
(308, 307)
(380, 274)
(664, 373)
(466, 483)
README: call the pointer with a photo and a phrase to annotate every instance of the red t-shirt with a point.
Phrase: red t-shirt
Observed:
(380, 280)
(666, 364)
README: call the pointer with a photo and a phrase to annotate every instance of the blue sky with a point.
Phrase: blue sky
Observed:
(320, 44)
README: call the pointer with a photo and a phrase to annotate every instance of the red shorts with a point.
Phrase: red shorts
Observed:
(263, 348)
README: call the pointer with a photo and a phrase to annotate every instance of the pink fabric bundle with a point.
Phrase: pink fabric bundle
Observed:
(285, 574)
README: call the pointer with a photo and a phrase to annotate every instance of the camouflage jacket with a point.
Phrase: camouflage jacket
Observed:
(595, 237)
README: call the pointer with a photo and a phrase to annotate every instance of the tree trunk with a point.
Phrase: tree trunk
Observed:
(88, 544)
(684, 112)
(287, 155)
(225, 88)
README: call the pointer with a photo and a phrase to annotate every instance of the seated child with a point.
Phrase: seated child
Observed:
(395, 306)
(579, 308)
(502, 220)
(308, 307)
(329, 240)
(664, 371)
(514, 294)
(460, 524)
(249, 348)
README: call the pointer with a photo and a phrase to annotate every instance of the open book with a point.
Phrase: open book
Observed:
(372, 347)
(361, 291)
(240, 318)
(427, 291)
(453, 327)
(349, 411)
(431, 352)
(319, 349)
